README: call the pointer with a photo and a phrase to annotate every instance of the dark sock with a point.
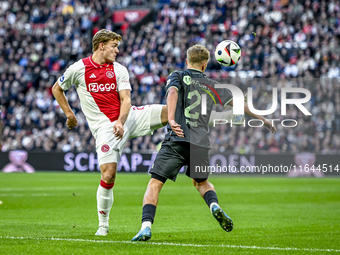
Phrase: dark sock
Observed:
(149, 212)
(210, 197)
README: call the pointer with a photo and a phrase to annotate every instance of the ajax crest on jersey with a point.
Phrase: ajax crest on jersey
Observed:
(110, 74)
(227, 53)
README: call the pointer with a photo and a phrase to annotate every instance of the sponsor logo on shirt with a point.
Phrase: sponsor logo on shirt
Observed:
(95, 87)
(62, 78)
(187, 80)
(110, 74)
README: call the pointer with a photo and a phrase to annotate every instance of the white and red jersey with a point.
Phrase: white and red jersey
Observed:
(97, 87)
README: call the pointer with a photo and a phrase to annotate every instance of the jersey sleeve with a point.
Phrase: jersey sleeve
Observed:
(225, 96)
(173, 80)
(68, 78)
(123, 79)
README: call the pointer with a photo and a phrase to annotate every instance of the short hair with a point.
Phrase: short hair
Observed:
(104, 36)
(197, 54)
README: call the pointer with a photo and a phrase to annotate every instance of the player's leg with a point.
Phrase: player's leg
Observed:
(108, 150)
(146, 119)
(199, 159)
(208, 193)
(152, 191)
(158, 116)
(105, 196)
(166, 166)
(150, 202)
(224, 115)
(164, 115)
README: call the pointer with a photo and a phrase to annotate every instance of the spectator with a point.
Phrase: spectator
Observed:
(300, 40)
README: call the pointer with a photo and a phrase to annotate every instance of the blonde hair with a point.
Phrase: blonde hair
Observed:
(197, 54)
(104, 36)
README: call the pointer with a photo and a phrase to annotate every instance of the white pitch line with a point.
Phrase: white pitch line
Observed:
(37, 189)
(171, 244)
(33, 195)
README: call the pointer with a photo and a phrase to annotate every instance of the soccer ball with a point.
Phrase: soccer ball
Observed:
(227, 53)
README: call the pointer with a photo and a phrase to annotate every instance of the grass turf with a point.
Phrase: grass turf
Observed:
(301, 216)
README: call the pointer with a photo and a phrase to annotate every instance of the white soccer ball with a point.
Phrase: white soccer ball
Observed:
(227, 53)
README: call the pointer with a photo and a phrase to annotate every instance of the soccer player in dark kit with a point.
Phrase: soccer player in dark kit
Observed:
(187, 142)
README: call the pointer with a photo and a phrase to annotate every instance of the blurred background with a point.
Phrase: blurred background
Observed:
(284, 43)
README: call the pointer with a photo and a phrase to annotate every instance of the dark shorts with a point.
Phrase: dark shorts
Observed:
(174, 155)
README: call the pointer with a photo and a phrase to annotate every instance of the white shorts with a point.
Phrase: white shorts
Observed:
(141, 121)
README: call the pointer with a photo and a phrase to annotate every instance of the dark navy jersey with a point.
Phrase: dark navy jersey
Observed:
(197, 96)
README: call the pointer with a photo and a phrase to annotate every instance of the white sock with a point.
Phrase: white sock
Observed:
(104, 205)
(211, 205)
(146, 224)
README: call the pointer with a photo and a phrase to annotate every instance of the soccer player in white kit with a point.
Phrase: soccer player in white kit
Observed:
(104, 91)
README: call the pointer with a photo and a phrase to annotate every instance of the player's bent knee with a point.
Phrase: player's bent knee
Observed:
(155, 184)
(108, 172)
(199, 182)
(108, 178)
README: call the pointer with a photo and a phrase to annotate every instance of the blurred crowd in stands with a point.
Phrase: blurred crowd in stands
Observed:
(284, 43)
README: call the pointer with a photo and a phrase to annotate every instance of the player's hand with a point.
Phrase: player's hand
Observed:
(118, 130)
(270, 125)
(176, 128)
(71, 121)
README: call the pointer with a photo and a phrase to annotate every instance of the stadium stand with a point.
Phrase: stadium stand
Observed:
(291, 43)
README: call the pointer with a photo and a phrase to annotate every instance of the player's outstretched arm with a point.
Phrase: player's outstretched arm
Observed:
(171, 103)
(59, 95)
(271, 126)
(125, 105)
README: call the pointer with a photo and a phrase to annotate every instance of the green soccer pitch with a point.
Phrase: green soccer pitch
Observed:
(55, 213)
